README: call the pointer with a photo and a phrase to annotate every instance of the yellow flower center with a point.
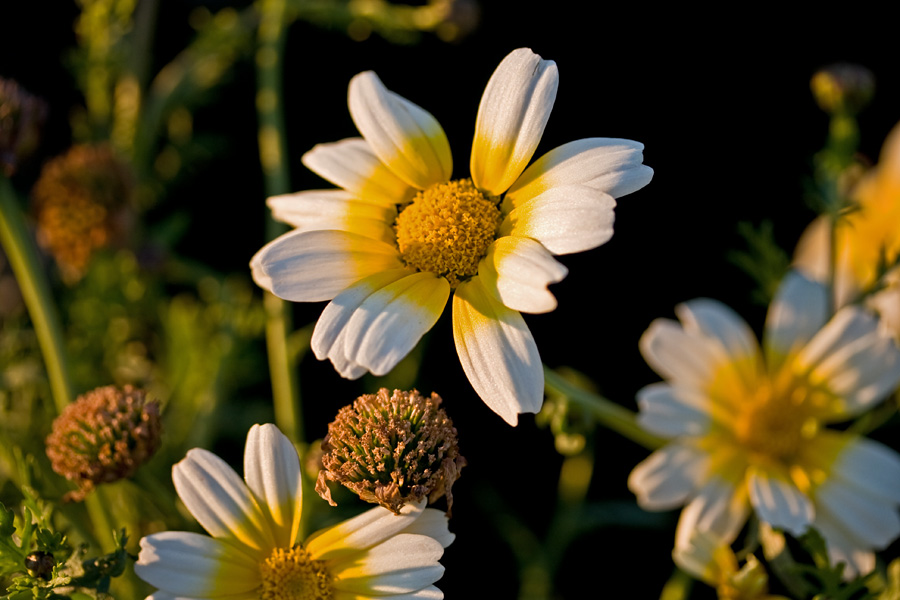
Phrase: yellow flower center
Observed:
(778, 420)
(447, 229)
(290, 574)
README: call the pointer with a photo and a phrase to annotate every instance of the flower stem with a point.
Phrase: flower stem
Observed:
(613, 416)
(272, 152)
(23, 259)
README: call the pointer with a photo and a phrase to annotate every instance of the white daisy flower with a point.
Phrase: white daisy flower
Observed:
(747, 426)
(256, 550)
(390, 246)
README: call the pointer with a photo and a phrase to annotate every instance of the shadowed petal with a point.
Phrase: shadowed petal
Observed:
(497, 352)
(361, 532)
(517, 271)
(668, 477)
(401, 564)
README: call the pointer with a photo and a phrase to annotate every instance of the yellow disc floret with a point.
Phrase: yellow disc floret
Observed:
(290, 574)
(447, 229)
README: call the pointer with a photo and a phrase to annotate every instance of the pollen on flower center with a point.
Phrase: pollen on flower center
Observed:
(290, 574)
(777, 423)
(447, 229)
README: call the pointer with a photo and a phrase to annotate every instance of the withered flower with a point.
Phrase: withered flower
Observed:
(104, 436)
(392, 449)
(21, 118)
(82, 203)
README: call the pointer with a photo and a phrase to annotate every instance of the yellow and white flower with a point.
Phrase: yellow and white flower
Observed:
(747, 425)
(256, 550)
(863, 239)
(390, 246)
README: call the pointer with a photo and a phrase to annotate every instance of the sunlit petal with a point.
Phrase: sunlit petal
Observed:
(517, 271)
(272, 472)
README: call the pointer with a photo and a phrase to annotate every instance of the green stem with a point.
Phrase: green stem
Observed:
(23, 258)
(613, 416)
(272, 153)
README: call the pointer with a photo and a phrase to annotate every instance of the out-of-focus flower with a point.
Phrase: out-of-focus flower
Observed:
(104, 436)
(390, 247)
(392, 449)
(257, 549)
(714, 562)
(21, 118)
(865, 238)
(81, 201)
(747, 426)
(843, 88)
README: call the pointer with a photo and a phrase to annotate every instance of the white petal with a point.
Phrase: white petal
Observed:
(609, 165)
(401, 564)
(714, 320)
(566, 219)
(778, 502)
(392, 320)
(870, 467)
(872, 520)
(854, 359)
(719, 509)
(666, 478)
(517, 271)
(512, 115)
(334, 209)
(351, 164)
(698, 556)
(404, 136)
(844, 546)
(497, 352)
(310, 266)
(272, 472)
(671, 411)
(361, 532)
(220, 501)
(679, 356)
(798, 311)
(428, 593)
(329, 333)
(189, 564)
(434, 524)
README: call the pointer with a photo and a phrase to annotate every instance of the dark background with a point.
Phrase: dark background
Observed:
(719, 98)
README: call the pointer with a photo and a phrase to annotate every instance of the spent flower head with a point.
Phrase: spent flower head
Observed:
(21, 118)
(843, 88)
(104, 436)
(81, 201)
(392, 449)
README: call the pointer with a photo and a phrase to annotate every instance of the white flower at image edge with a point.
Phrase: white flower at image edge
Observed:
(256, 550)
(747, 426)
(400, 236)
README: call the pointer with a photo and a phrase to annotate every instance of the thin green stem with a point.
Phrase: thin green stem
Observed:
(272, 153)
(23, 259)
(613, 416)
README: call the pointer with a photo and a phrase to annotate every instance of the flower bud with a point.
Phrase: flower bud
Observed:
(392, 449)
(104, 436)
(843, 88)
(21, 118)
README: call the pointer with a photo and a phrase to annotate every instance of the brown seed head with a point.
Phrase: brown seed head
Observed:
(392, 449)
(82, 203)
(105, 435)
(21, 118)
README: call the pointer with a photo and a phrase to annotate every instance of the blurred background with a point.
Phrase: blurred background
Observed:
(720, 100)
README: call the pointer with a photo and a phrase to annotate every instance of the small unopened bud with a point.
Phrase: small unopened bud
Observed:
(21, 118)
(40, 564)
(82, 203)
(104, 436)
(392, 449)
(843, 88)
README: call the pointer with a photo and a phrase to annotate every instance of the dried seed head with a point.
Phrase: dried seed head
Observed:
(105, 435)
(21, 118)
(392, 449)
(82, 203)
